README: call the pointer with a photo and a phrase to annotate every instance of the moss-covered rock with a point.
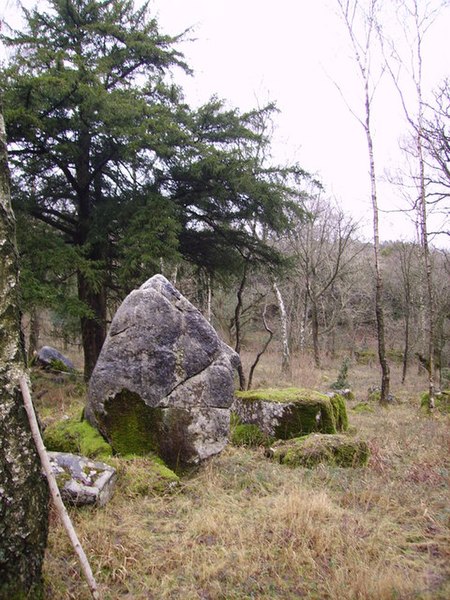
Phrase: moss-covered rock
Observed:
(76, 437)
(291, 412)
(134, 428)
(311, 450)
(340, 411)
(130, 425)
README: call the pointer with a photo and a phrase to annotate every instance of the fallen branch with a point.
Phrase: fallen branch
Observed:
(54, 491)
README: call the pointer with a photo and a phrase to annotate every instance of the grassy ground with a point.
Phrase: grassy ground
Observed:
(243, 527)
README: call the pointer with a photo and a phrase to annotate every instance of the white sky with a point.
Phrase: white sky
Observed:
(291, 52)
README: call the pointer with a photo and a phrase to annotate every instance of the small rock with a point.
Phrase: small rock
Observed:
(82, 481)
(49, 357)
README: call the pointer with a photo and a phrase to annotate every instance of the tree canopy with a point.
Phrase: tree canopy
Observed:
(110, 158)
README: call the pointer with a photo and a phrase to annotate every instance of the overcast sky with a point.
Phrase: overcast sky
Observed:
(294, 52)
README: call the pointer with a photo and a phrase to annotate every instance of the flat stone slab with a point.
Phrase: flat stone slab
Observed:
(81, 480)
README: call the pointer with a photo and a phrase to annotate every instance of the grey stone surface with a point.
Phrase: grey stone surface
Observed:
(81, 480)
(162, 349)
(287, 413)
(47, 355)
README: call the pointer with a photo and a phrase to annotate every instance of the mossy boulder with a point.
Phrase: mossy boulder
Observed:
(76, 437)
(291, 412)
(164, 380)
(311, 450)
(50, 358)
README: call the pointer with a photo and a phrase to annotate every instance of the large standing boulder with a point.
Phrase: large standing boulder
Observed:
(164, 380)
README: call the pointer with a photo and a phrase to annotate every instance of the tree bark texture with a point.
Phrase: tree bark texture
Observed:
(286, 360)
(237, 324)
(93, 328)
(23, 488)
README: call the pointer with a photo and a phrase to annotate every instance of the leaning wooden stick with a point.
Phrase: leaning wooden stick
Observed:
(54, 491)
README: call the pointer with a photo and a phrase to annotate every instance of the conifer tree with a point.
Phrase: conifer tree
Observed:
(106, 153)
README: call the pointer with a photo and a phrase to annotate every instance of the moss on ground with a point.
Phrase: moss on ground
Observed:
(144, 476)
(441, 401)
(363, 407)
(249, 435)
(311, 450)
(76, 437)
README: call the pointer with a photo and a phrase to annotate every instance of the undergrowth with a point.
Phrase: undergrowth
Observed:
(245, 527)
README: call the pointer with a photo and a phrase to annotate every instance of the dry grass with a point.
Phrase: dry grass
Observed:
(243, 527)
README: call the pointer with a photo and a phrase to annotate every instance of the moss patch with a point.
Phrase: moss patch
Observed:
(130, 425)
(144, 476)
(441, 401)
(339, 411)
(250, 436)
(363, 407)
(281, 395)
(309, 451)
(76, 437)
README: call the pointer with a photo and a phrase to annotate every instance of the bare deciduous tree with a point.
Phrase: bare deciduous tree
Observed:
(323, 251)
(416, 18)
(357, 19)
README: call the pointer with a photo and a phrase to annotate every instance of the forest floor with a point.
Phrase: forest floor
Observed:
(243, 527)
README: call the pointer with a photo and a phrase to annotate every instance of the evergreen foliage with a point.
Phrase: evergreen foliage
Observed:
(108, 157)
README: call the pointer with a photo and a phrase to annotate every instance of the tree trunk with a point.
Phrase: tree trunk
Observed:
(315, 331)
(304, 320)
(93, 328)
(286, 359)
(427, 262)
(379, 312)
(406, 346)
(264, 348)
(23, 489)
(35, 330)
(237, 325)
(362, 55)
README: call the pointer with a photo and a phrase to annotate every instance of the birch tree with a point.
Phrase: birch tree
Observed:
(23, 490)
(407, 66)
(361, 25)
